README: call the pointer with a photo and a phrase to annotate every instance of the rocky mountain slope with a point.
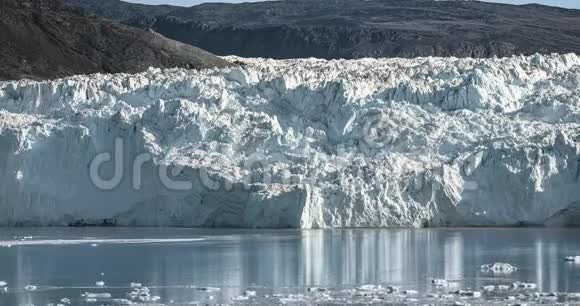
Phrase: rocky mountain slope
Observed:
(42, 40)
(119, 10)
(298, 143)
(355, 29)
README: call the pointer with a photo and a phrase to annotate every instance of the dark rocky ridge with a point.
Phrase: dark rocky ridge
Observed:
(120, 11)
(42, 40)
(355, 29)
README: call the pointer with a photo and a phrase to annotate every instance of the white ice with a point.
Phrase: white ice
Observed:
(300, 143)
(499, 267)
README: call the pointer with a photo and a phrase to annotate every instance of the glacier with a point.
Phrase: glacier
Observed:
(302, 143)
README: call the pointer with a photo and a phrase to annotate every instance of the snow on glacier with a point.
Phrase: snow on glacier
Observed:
(299, 143)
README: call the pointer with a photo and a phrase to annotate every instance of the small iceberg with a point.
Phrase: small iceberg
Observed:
(439, 282)
(30, 288)
(316, 289)
(499, 267)
(207, 289)
(522, 285)
(572, 258)
(91, 295)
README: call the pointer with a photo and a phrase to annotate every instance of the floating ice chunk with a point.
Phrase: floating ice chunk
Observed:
(369, 288)
(240, 298)
(316, 289)
(149, 298)
(292, 299)
(572, 258)
(208, 289)
(488, 288)
(135, 285)
(96, 295)
(140, 293)
(121, 302)
(65, 301)
(250, 293)
(3, 284)
(503, 287)
(411, 292)
(30, 288)
(475, 294)
(100, 283)
(19, 175)
(439, 282)
(521, 285)
(467, 293)
(498, 267)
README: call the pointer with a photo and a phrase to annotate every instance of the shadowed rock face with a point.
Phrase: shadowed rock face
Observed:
(42, 40)
(118, 10)
(356, 29)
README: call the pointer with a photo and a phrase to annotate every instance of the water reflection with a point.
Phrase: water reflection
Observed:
(285, 260)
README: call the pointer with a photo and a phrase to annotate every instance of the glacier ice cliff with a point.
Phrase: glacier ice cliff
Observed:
(298, 144)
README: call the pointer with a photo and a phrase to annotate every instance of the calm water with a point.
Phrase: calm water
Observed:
(273, 261)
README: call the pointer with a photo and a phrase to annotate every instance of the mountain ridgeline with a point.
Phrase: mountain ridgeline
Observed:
(356, 29)
(41, 39)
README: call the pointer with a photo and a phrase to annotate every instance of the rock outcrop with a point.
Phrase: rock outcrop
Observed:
(42, 40)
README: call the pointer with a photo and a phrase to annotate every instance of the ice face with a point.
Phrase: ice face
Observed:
(296, 143)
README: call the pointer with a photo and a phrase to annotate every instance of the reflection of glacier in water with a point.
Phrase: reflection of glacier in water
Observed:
(280, 261)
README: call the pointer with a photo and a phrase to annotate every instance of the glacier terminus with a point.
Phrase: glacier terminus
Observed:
(301, 143)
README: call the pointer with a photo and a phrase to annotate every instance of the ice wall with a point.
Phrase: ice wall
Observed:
(297, 143)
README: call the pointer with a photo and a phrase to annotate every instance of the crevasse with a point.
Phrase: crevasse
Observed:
(298, 143)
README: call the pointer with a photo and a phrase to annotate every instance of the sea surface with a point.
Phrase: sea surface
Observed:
(94, 266)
